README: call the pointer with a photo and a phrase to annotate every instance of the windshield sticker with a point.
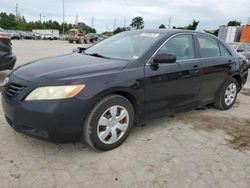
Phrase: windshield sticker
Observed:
(154, 35)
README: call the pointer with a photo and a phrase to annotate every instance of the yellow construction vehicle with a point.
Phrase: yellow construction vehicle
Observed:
(75, 35)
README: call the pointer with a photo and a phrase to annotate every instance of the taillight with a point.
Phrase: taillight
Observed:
(4, 36)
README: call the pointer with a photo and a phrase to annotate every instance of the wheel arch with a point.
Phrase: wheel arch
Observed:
(138, 106)
(238, 78)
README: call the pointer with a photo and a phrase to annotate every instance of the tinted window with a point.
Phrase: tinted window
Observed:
(208, 47)
(182, 46)
(224, 51)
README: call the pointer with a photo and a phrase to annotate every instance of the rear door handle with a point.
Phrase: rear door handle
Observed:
(196, 68)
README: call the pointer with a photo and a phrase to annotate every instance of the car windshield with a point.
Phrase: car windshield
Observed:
(124, 46)
(234, 45)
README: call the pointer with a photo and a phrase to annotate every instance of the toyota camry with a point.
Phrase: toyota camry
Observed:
(101, 92)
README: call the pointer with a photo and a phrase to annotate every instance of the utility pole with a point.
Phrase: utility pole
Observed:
(114, 23)
(17, 13)
(169, 22)
(63, 17)
(76, 22)
(40, 16)
(16, 10)
(92, 22)
(125, 23)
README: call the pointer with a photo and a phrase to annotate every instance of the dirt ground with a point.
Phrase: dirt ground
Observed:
(199, 148)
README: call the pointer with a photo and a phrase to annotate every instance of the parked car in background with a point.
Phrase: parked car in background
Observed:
(14, 34)
(101, 37)
(55, 37)
(62, 37)
(7, 58)
(242, 48)
(92, 37)
(25, 35)
(37, 36)
(46, 37)
(129, 78)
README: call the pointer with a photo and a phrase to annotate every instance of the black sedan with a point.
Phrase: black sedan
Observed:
(7, 58)
(14, 35)
(100, 93)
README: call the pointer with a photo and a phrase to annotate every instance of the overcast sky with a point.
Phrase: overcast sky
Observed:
(107, 13)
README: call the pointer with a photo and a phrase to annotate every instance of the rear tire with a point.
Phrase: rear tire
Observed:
(228, 95)
(109, 123)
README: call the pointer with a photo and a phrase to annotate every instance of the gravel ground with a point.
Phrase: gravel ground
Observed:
(199, 148)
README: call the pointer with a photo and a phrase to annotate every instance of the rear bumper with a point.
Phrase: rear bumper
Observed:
(58, 121)
(7, 61)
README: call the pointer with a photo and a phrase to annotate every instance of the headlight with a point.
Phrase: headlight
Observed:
(54, 92)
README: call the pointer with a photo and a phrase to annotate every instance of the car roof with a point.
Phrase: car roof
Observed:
(170, 31)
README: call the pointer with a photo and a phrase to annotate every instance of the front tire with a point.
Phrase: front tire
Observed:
(228, 95)
(109, 123)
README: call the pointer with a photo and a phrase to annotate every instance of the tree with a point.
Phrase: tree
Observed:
(192, 26)
(137, 23)
(119, 30)
(213, 32)
(83, 27)
(234, 23)
(107, 33)
(162, 26)
(9, 21)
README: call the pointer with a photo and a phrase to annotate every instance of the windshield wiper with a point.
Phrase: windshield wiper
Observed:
(97, 55)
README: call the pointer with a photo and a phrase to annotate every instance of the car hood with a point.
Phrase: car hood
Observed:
(67, 67)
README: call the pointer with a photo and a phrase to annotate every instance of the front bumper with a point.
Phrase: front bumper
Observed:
(59, 121)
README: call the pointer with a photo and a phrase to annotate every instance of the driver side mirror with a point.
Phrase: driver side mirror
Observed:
(164, 58)
(79, 50)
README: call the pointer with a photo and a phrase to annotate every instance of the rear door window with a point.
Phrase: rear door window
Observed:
(208, 47)
(224, 51)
